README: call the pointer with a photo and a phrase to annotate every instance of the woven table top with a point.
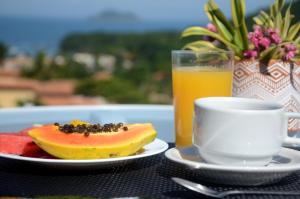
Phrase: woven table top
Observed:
(144, 178)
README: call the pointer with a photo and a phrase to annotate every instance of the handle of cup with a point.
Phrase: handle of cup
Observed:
(287, 139)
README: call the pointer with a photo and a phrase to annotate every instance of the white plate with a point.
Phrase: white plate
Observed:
(282, 165)
(155, 147)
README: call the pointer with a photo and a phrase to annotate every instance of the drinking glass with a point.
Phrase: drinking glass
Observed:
(197, 74)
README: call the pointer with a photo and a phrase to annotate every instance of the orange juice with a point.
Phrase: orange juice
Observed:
(190, 83)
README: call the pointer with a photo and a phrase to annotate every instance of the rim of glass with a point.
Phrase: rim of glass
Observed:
(228, 52)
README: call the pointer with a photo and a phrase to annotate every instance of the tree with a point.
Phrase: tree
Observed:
(38, 66)
(115, 90)
(3, 51)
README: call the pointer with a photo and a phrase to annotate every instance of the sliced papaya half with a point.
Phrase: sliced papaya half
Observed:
(95, 145)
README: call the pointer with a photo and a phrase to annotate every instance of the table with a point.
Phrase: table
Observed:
(145, 178)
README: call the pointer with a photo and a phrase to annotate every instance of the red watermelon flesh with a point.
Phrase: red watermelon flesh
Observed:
(21, 144)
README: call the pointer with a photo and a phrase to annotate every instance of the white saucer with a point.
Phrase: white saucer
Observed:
(282, 165)
(155, 147)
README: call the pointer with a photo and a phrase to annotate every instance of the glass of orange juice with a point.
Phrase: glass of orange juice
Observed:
(197, 74)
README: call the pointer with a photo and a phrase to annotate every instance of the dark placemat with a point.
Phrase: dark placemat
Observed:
(145, 178)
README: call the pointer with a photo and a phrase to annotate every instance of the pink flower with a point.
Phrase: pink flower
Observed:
(290, 47)
(271, 31)
(274, 35)
(211, 27)
(264, 42)
(250, 54)
(257, 27)
(258, 31)
(255, 42)
(258, 38)
(275, 38)
(251, 35)
(290, 51)
(263, 38)
(253, 39)
(288, 56)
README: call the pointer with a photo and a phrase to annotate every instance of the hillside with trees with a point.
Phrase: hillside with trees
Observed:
(142, 71)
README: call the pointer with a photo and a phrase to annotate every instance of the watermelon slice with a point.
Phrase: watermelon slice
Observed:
(13, 144)
(21, 144)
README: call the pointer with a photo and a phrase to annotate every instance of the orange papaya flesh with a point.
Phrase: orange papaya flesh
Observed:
(96, 145)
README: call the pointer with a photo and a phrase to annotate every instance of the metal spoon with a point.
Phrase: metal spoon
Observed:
(220, 194)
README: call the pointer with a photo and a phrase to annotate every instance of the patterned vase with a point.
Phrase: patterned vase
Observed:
(278, 81)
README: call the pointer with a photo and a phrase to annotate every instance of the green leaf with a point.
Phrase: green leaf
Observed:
(238, 17)
(277, 54)
(236, 13)
(237, 38)
(287, 21)
(297, 41)
(222, 29)
(206, 9)
(296, 59)
(262, 20)
(244, 33)
(214, 10)
(194, 31)
(278, 21)
(219, 25)
(267, 18)
(280, 4)
(201, 44)
(276, 8)
(293, 31)
(267, 54)
(193, 48)
(272, 11)
(258, 21)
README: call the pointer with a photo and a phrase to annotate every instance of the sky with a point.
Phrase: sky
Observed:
(182, 10)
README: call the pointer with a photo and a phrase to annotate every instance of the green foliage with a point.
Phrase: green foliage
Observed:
(251, 19)
(3, 51)
(153, 49)
(115, 90)
(147, 52)
(34, 102)
(45, 71)
(279, 18)
(37, 70)
(69, 70)
(232, 35)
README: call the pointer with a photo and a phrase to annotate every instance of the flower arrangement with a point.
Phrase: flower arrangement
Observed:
(273, 35)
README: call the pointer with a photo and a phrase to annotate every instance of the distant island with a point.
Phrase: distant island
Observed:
(115, 16)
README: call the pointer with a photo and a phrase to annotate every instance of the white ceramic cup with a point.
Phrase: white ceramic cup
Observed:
(240, 131)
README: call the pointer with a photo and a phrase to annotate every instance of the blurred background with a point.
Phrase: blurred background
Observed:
(70, 52)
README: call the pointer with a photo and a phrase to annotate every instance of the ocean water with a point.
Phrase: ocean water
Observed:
(32, 34)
